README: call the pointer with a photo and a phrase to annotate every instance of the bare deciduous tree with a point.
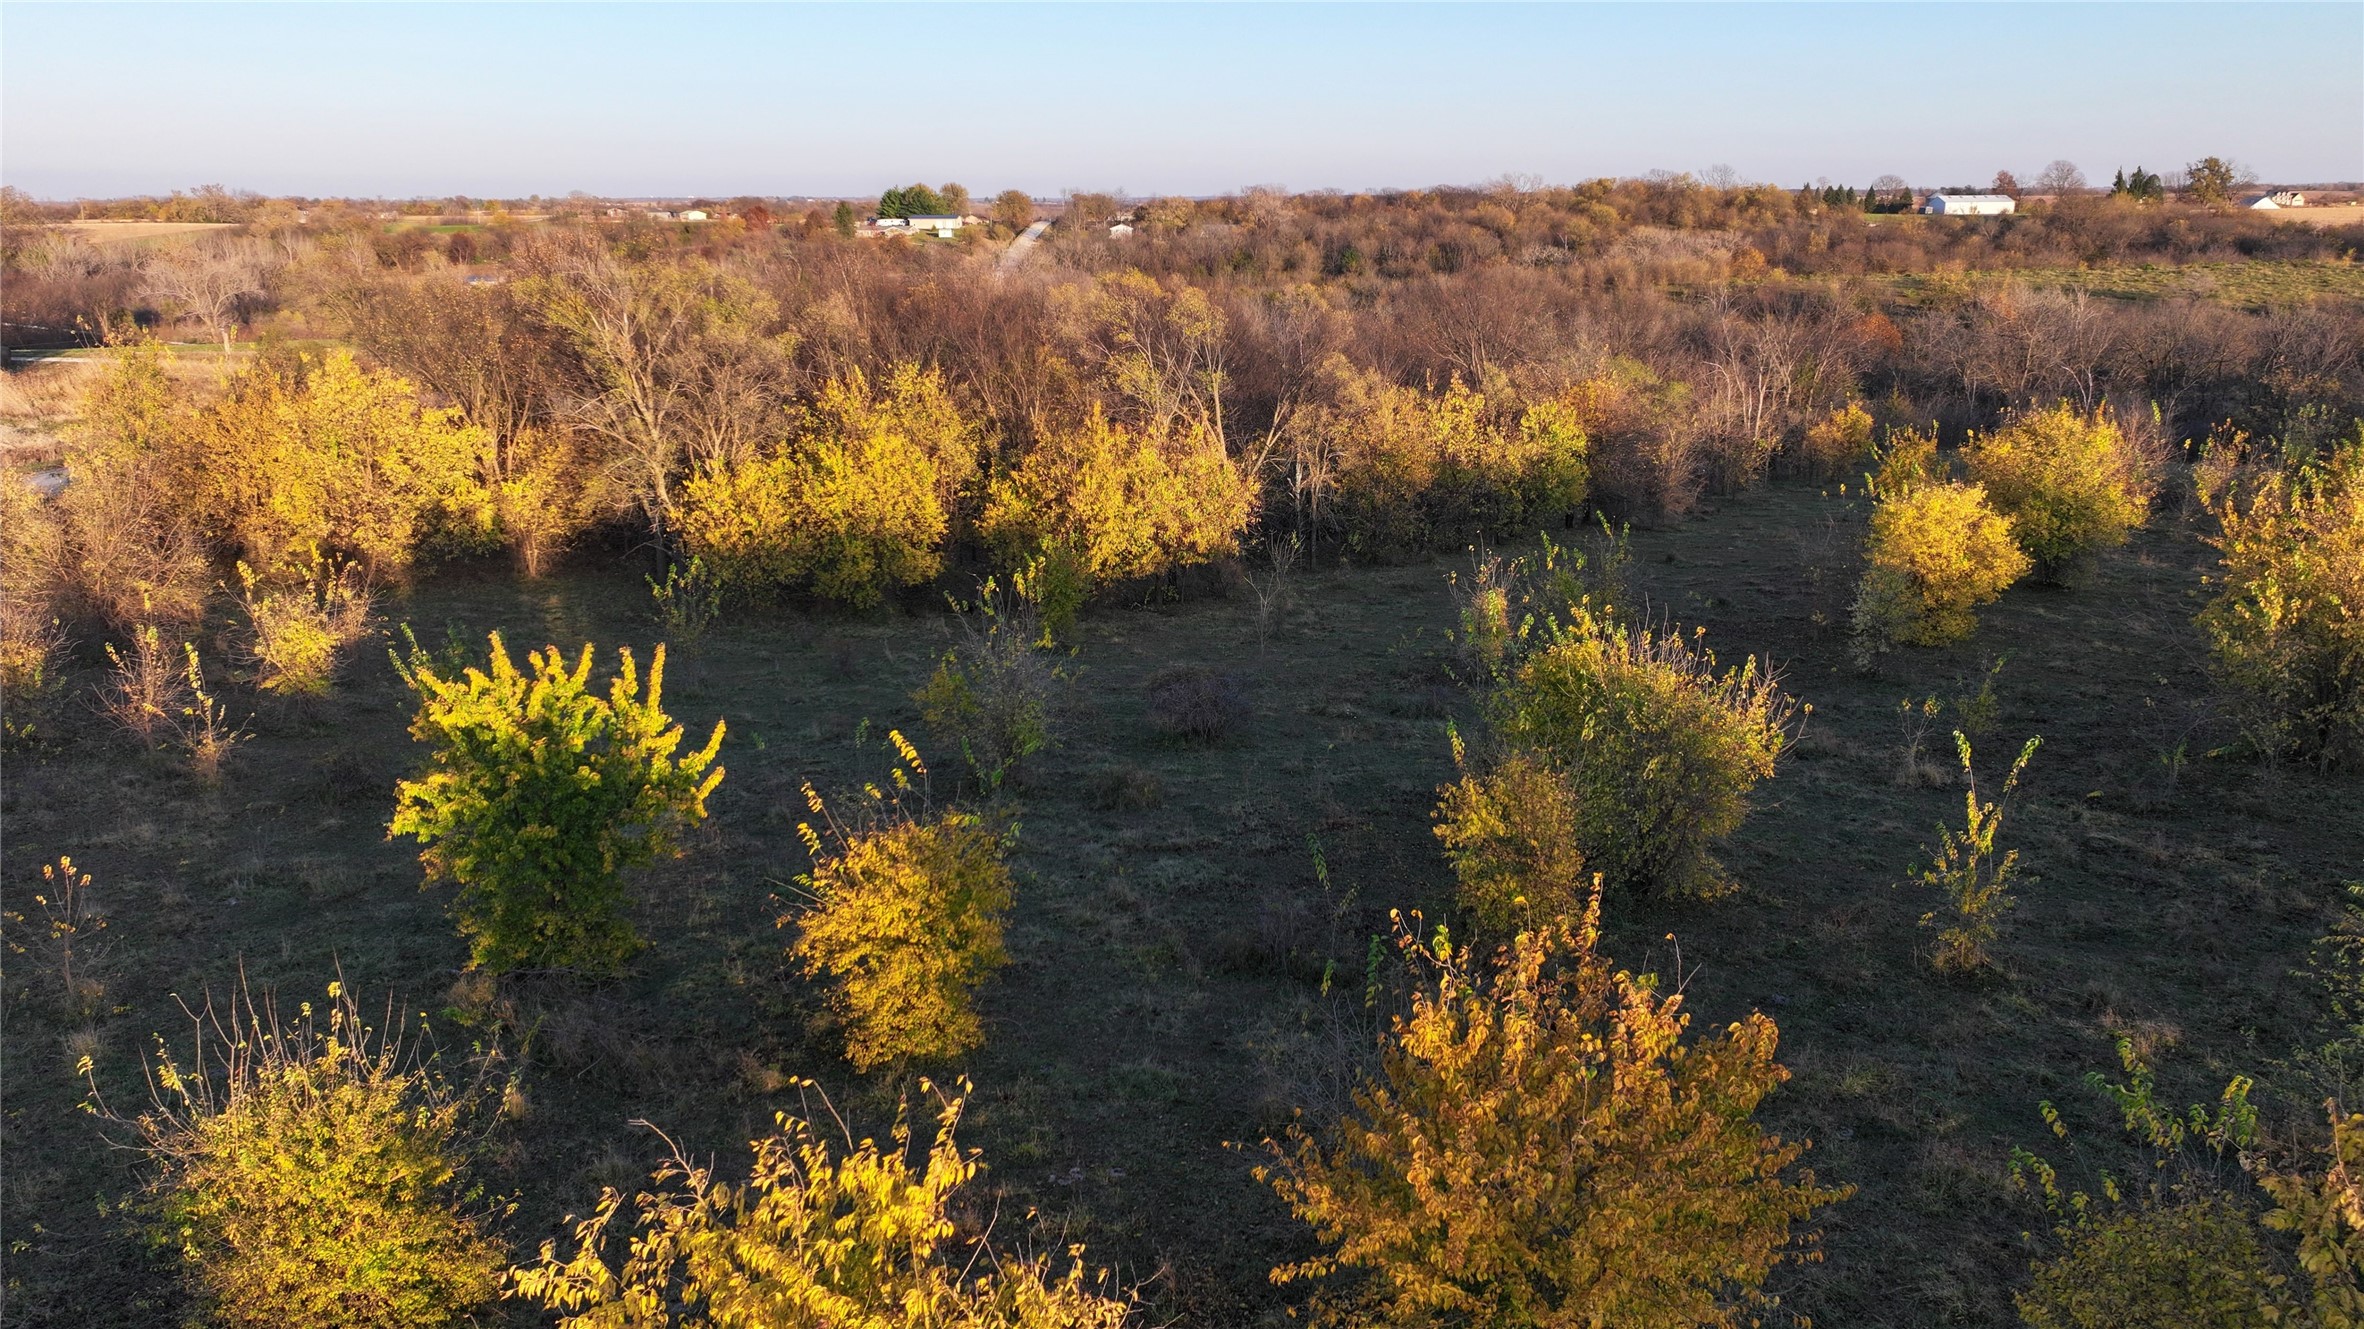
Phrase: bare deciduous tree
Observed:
(210, 281)
(681, 367)
(2061, 179)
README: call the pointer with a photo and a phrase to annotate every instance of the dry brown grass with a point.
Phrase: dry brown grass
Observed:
(106, 232)
(2335, 214)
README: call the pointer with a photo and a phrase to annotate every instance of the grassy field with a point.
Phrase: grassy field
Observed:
(2252, 285)
(122, 232)
(1167, 999)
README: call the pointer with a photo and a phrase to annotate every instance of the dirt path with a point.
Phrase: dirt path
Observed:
(1021, 247)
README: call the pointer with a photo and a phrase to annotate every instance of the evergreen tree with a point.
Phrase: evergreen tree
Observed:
(911, 201)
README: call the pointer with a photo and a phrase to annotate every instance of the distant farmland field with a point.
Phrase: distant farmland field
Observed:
(2249, 283)
(105, 231)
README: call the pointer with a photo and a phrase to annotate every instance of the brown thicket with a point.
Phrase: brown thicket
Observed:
(1372, 375)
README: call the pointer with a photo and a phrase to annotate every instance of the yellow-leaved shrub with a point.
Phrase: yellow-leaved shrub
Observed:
(819, 1236)
(857, 503)
(1118, 504)
(1413, 470)
(133, 547)
(1543, 1145)
(328, 458)
(540, 795)
(311, 1176)
(2287, 623)
(1660, 748)
(905, 920)
(1936, 553)
(297, 632)
(1510, 834)
(32, 586)
(2069, 482)
(1838, 442)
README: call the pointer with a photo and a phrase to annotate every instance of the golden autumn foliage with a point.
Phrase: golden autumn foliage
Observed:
(819, 1236)
(132, 551)
(1510, 834)
(1659, 748)
(1838, 442)
(857, 503)
(906, 919)
(1119, 504)
(1642, 444)
(311, 1177)
(2287, 623)
(2069, 483)
(296, 634)
(32, 589)
(1412, 470)
(2325, 1211)
(1543, 1146)
(1936, 553)
(546, 494)
(332, 459)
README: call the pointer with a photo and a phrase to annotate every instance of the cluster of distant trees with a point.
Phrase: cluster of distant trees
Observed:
(950, 200)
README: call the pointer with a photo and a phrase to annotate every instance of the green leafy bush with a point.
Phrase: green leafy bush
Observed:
(1975, 877)
(1542, 1146)
(541, 794)
(906, 914)
(311, 1176)
(995, 693)
(2191, 1263)
(818, 1237)
(688, 599)
(1659, 747)
(2178, 1247)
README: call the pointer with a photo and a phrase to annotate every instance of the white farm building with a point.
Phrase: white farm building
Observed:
(1970, 205)
(2279, 199)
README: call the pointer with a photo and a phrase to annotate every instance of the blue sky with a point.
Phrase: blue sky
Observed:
(687, 99)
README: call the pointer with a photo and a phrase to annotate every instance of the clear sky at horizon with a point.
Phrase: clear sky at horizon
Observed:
(680, 100)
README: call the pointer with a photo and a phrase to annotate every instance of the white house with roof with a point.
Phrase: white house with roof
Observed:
(2280, 198)
(1970, 205)
(942, 225)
